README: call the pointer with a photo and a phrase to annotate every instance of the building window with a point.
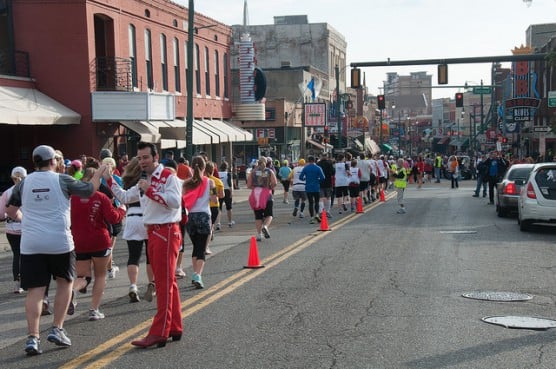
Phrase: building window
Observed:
(164, 62)
(197, 58)
(175, 23)
(133, 54)
(216, 73)
(177, 70)
(225, 68)
(148, 59)
(207, 72)
(147, 13)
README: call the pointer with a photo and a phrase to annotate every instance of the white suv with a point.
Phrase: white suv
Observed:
(537, 200)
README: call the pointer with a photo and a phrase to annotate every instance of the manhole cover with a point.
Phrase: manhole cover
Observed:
(458, 232)
(498, 296)
(523, 322)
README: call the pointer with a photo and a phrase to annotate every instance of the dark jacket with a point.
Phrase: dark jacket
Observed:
(502, 167)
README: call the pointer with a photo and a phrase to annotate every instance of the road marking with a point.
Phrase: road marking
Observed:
(458, 232)
(119, 344)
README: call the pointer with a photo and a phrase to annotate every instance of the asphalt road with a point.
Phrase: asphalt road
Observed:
(381, 290)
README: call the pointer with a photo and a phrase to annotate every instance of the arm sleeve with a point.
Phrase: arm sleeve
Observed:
(111, 214)
(125, 196)
(72, 186)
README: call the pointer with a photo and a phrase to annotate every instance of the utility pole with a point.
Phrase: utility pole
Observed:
(189, 83)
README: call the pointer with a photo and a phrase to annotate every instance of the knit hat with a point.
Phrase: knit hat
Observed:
(77, 163)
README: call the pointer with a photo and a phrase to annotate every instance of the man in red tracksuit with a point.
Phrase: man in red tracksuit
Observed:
(160, 195)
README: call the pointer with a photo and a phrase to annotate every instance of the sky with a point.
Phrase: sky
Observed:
(406, 30)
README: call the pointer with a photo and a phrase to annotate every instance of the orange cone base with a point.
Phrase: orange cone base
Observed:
(359, 206)
(382, 197)
(253, 259)
(324, 222)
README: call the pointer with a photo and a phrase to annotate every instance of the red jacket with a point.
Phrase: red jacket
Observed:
(89, 217)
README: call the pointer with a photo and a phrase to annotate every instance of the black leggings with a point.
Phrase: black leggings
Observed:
(15, 242)
(135, 248)
(314, 198)
(199, 242)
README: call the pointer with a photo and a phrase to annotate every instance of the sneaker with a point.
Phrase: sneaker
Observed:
(33, 346)
(231, 224)
(198, 281)
(475, 195)
(208, 251)
(134, 293)
(180, 273)
(294, 212)
(301, 215)
(265, 232)
(95, 315)
(286, 202)
(317, 218)
(72, 304)
(193, 278)
(259, 237)
(112, 272)
(150, 292)
(312, 221)
(45, 307)
(345, 207)
(58, 337)
(17, 288)
(217, 226)
(400, 211)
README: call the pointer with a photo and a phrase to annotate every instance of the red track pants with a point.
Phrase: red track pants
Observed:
(164, 245)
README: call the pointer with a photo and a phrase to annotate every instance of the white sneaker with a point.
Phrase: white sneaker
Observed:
(17, 288)
(180, 273)
(133, 294)
(95, 315)
(231, 224)
(217, 226)
(259, 237)
(112, 272)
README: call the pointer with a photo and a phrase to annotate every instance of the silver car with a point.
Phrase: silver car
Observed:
(537, 200)
(509, 188)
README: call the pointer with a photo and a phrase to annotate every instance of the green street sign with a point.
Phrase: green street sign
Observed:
(482, 90)
(552, 99)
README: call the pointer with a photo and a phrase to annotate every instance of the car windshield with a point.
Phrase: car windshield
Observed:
(520, 173)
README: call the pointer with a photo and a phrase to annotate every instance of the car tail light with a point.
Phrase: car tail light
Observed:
(530, 191)
(510, 189)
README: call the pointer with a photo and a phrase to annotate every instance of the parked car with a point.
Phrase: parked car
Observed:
(537, 200)
(509, 188)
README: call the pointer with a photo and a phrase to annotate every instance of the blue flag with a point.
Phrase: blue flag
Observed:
(311, 87)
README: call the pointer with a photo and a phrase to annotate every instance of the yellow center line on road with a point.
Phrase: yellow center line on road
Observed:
(115, 347)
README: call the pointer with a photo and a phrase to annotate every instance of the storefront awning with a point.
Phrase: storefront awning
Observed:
(386, 147)
(228, 131)
(28, 106)
(319, 145)
(371, 146)
(146, 131)
(444, 141)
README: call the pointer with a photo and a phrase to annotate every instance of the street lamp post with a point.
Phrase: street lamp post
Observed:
(189, 82)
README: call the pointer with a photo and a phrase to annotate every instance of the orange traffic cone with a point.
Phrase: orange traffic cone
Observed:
(359, 209)
(324, 222)
(253, 260)
(382, 197)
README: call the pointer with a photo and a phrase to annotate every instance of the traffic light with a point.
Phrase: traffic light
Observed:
(459, 100)
(355, 78)
(442, 74)
(381, 102)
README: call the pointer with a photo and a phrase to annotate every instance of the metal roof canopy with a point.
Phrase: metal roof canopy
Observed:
(471, 60)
